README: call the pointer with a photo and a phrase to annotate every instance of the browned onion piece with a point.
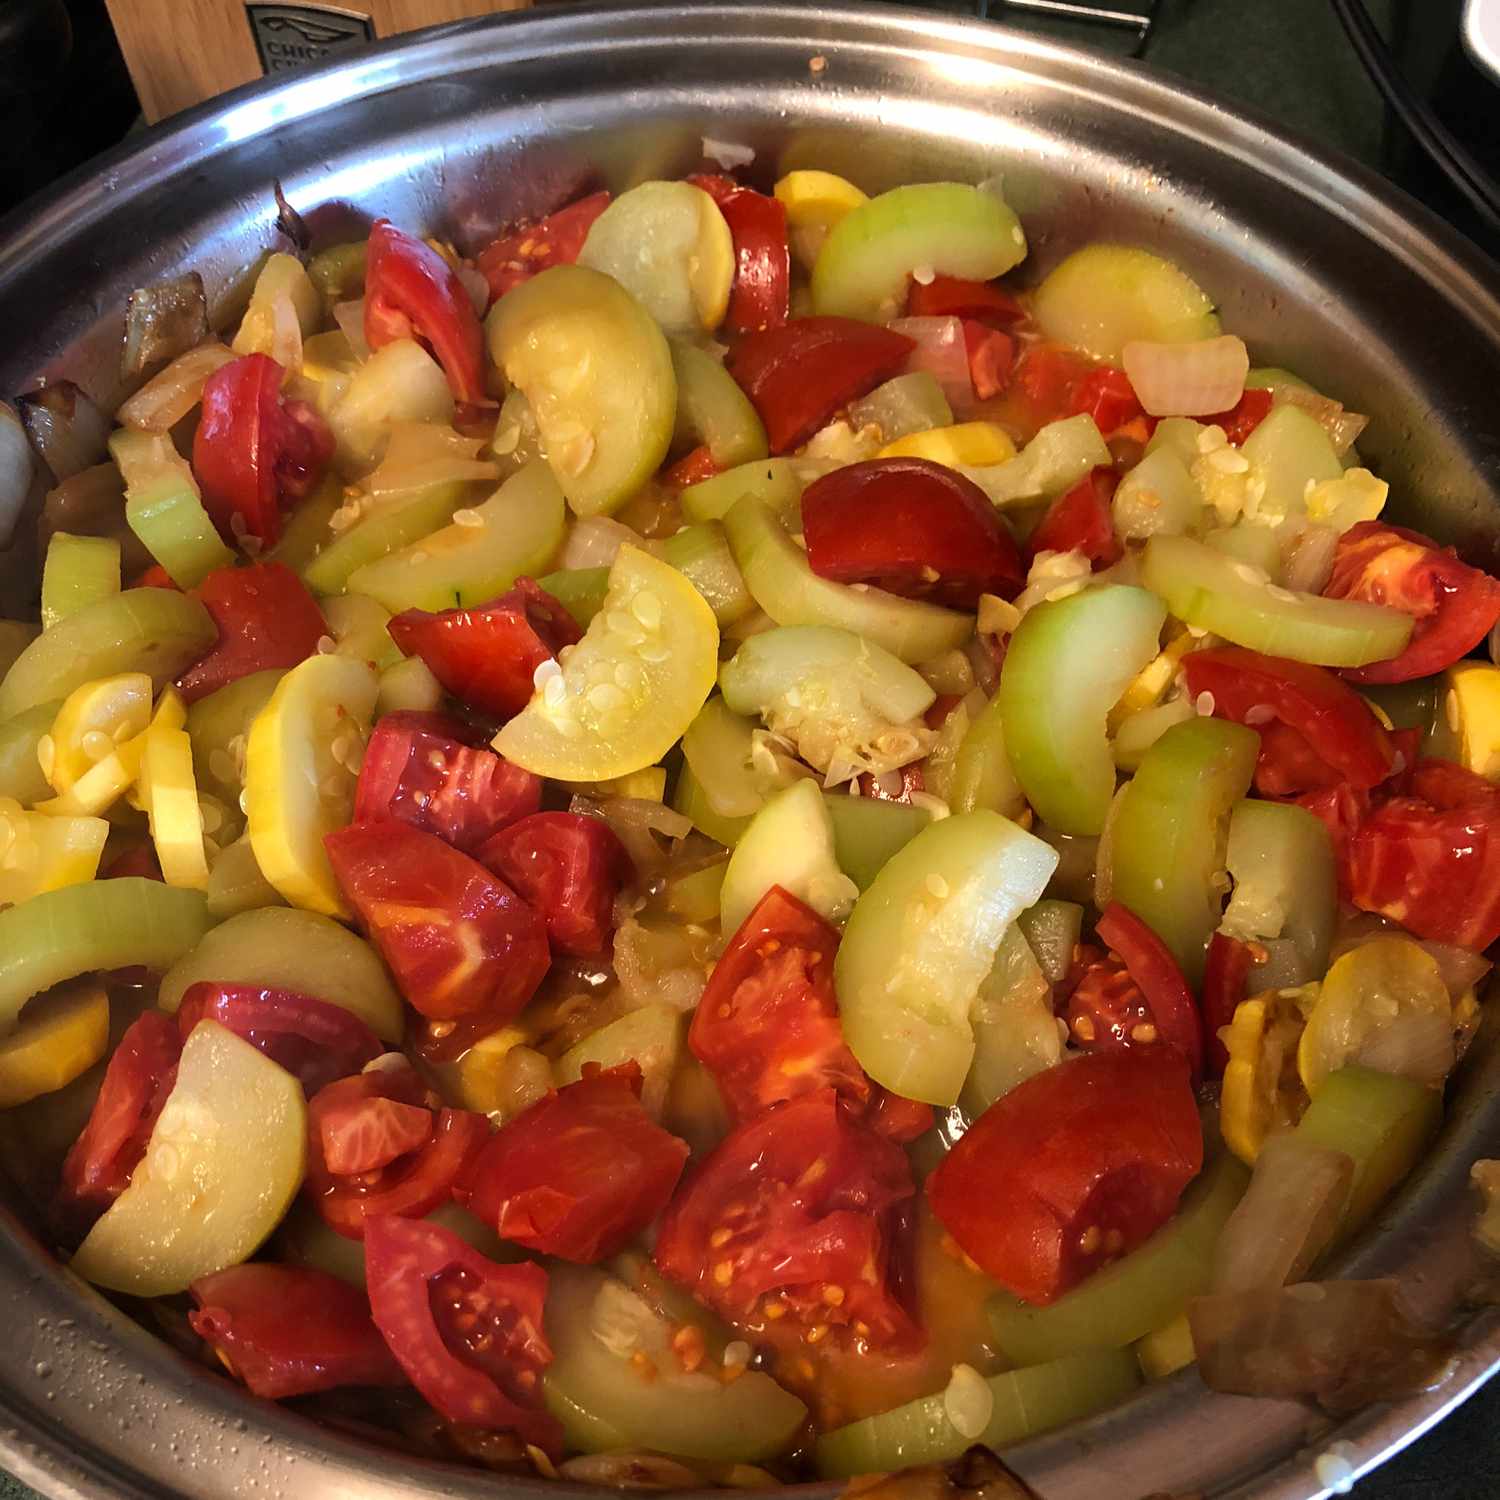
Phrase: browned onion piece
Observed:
(68, 432)
(163, 321)
(92, 503)
(291, 223)
(1342, 1343)
(1286, 1219)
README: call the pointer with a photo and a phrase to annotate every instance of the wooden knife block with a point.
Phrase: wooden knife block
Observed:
(181, 52)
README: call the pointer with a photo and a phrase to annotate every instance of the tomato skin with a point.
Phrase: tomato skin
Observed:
(580, 1173)
(519, 253)
(1046, 378)
(799, 376)
(141, 861)
(570, 868)
(252, 451)
(312, 1039)
(762, 260)
(468, 1332)
(1243, 417)
(692, 468)
(140, 1076)
(1081, 519)
(1225, 976)
(266, 618)
(486, 657)
(992, 358)
(794, 1230)
(410, 1185)
(1106, 394)
(412, 292)
(1150, 964)
(1453, 605)
(892, 522)
(1104, 1141)
(767, 1026)
(954, 297)
(425, 769)
(1336, 736)
(458, 939)
(155, 577)
(290, 1330)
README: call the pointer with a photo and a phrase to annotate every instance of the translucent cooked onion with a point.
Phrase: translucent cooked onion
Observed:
(637, 823)
(1342, 1343)
(1310, 564)
(350, 316)
(163, 321)
(67, 430)
(595, 541)
(1461, 968)
(728, 154)
(660, 965)
(423, 453)
(169, 396)
(1416, 1045)
(1187, 380)
(942, 352)
(1342, 427)
(1286, 1219)
(17, 466)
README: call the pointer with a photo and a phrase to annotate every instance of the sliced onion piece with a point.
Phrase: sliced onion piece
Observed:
(595, 542)
(170, 395)
(17, 466)
(1344, 1343)
(942, 352)
(1461, 968)
(1343, 427)
(68, 432)
(421, 454)
(1310, 564)
(1288, 1216)
(637, 821)
(1187, 380)
(350, 317)
(162, 322)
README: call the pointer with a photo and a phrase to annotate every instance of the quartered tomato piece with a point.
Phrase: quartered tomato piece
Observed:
(1225, 975)
(349, 1125)
(136, 1083)
(412, 292)
(570, 868)
(953, 297)
(519, 253)
(762, 261)
(992, 358)
(580, 1173)
(1171, 1017)
(1081, 519)
(290, 1330)
(429, 770)
(1046, 379)
(487, 657)
(458, 939)
(1453, 605)
(467, 1332)
(1243, 417)
(801, 375)
(1335, 737)
(910, 527)
(254, 452)
(793, 1212)
(1072, 1168)
(266, 619)
(1106, 394)
(692, 468)
(312, 1039)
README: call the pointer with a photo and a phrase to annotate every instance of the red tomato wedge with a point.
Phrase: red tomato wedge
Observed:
(1106, 394)
(570, 868)
(458, 939)
(1243, 417)
(411, 292)
(795, 1201)
(486, 657)
(1046, 378)
(254, 452)
(767, 1026)
(913, 528)
(347, 1116)
(1071, 1169)
(266, 618)
(1346, 742)
(467, 1332)
(580, 1173)
(992, 358)
(1428, 857)
(801, 375)
(519, 253)
(426, 770)
(1453, 605)
(1225, 976)
(289, 1330)
(312, 1039)
(1081, 520)
(136, 1083)
(761, 289)
(1172, 1017)
(692, 468)
(953, 297)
